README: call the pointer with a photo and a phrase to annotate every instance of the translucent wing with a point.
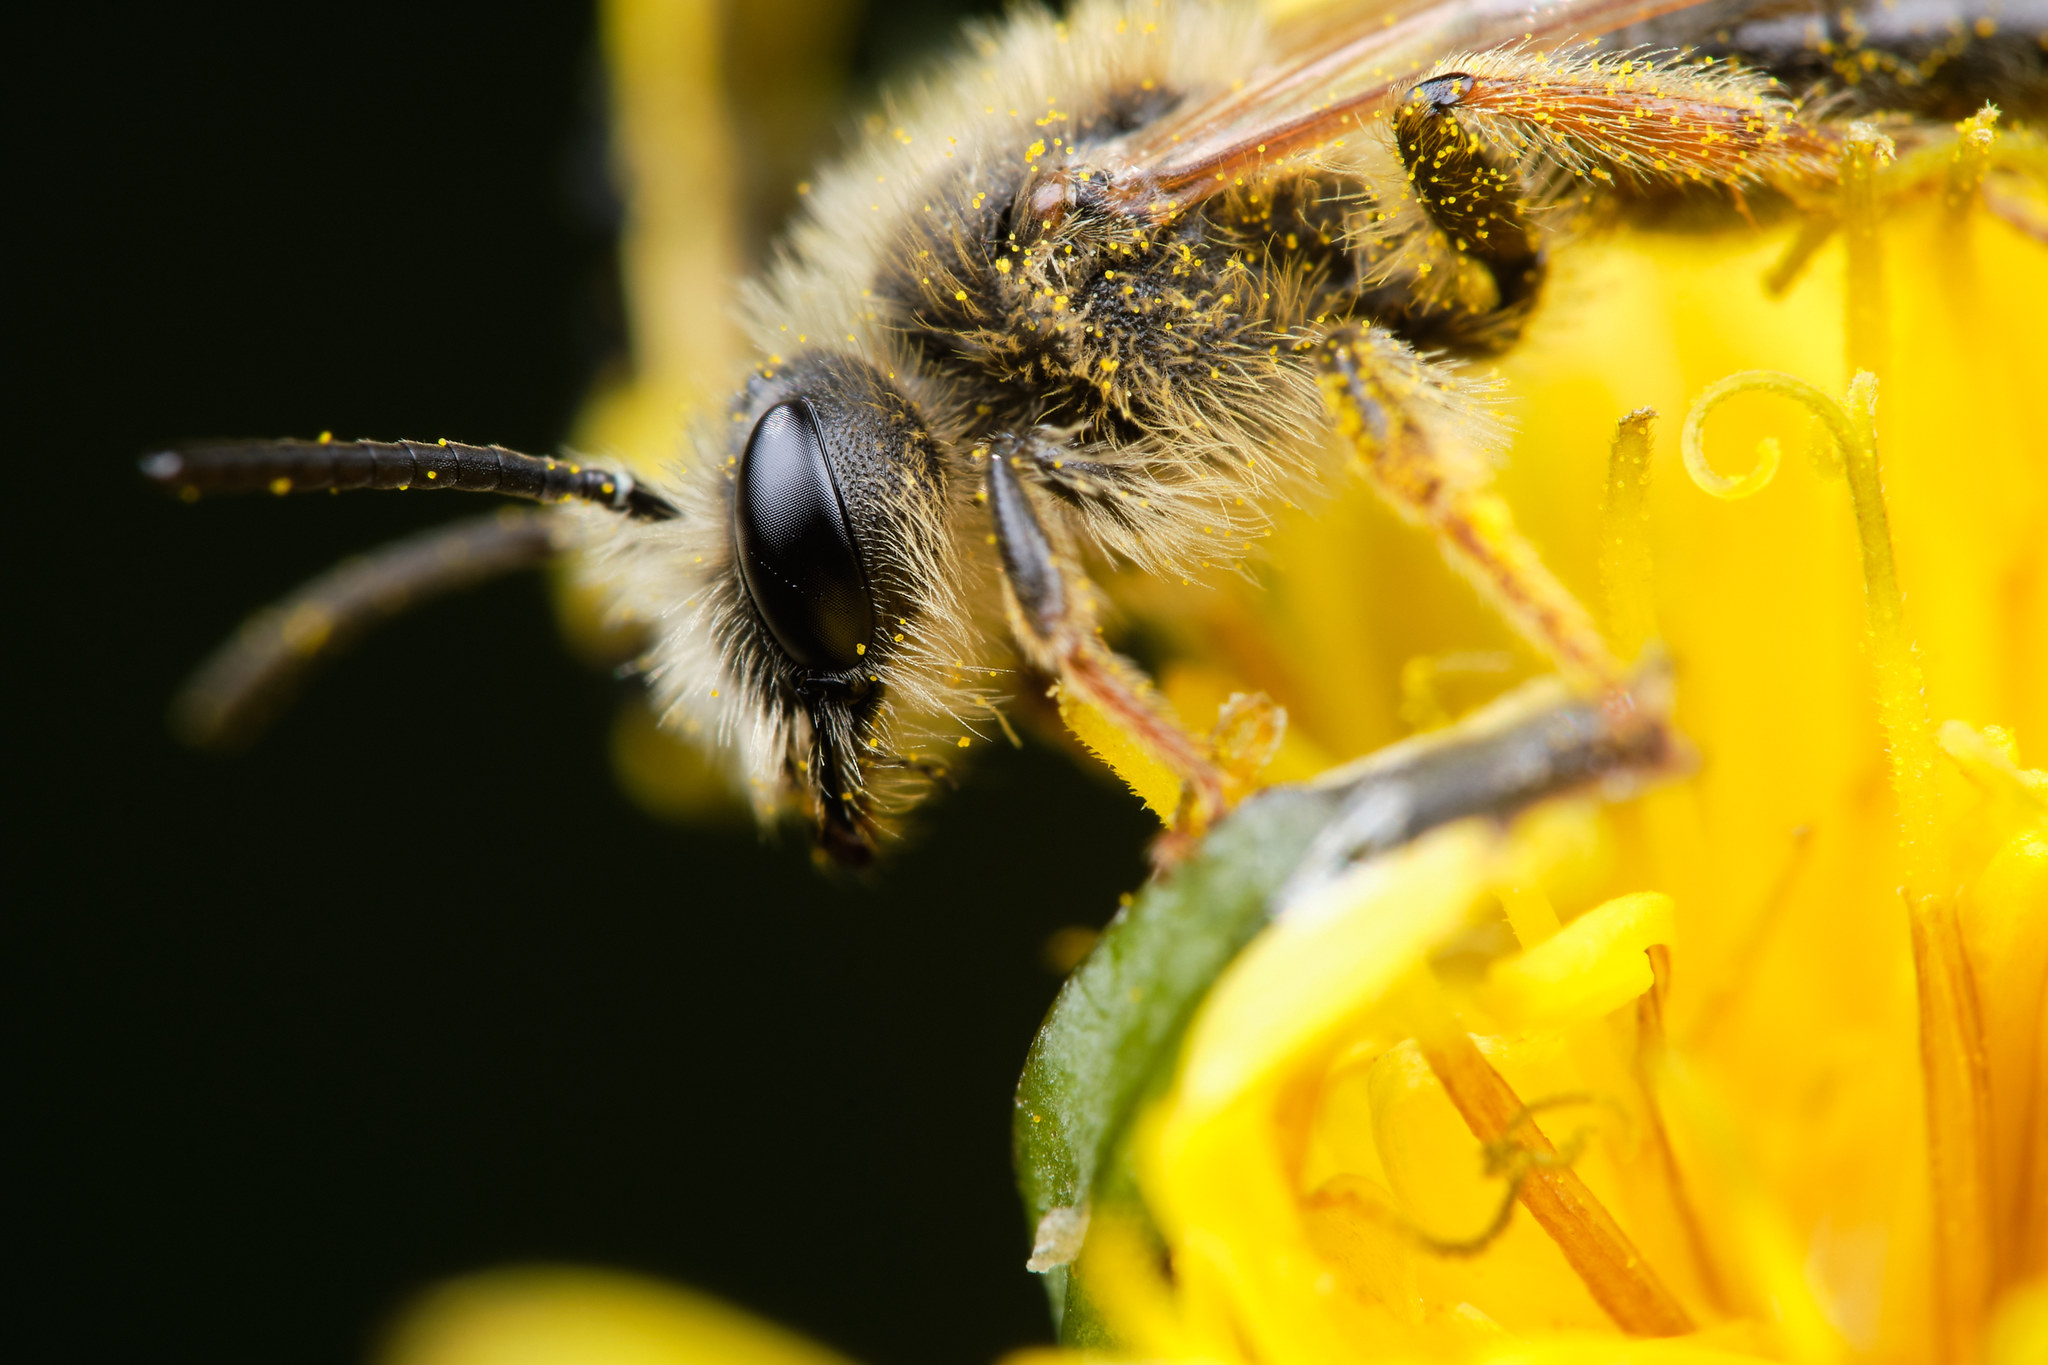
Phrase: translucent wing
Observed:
(1333, 64)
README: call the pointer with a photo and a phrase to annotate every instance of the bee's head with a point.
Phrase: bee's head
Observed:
(839, 576)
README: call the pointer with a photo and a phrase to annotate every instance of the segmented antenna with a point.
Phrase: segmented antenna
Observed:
(282, 467)
(250, 680)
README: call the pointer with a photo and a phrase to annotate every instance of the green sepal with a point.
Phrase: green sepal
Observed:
(1115, 1028)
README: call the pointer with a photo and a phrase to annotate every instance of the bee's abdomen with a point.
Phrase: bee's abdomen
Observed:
(1935, 58)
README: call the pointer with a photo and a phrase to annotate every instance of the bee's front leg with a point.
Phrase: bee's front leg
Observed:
(1052, 616)
(1416, 434)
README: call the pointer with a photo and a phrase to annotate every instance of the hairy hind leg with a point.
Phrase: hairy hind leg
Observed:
(1484, 138)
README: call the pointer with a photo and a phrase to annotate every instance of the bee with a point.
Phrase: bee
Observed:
(1108, 289)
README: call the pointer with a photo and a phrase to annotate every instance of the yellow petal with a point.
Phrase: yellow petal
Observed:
(2019, 1327)
(1592, 966)
(1328, 960)
(547, 1316)
(1587, 1349)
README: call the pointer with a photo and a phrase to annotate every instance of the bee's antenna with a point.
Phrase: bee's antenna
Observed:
(310, 466)
(250, 679)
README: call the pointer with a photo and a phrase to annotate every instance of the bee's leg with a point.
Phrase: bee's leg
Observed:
(1412, 429)
(1480, 141)
(1123, 502)
(1474, 195)
(1052, 616)
(1625, 120)
(242, 687)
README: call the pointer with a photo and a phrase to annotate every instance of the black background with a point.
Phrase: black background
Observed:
(411, 989)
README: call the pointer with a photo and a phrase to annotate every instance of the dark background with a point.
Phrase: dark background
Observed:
(411, 989)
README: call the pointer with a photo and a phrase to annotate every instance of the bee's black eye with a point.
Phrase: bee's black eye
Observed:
(796, 551)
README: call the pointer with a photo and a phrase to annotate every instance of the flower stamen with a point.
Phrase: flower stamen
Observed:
(1952, 1049)
(1593, 1243)
(1507, 1157)
(1625, 536)
(1864, 153)
(1711, 1012)
(1651, 1045)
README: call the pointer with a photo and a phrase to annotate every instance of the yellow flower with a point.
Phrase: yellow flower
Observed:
(1748, 1067)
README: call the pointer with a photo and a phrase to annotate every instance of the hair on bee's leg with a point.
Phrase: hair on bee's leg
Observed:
(1122, 503)
(1053, 620)
(250, 680)
(1479, 133)
(1415, 433)
(1475, 196)
(1629, 119)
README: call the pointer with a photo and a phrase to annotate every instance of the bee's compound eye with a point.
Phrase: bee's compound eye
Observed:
(796, 551)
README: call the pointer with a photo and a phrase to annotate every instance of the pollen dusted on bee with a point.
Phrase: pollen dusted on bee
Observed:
(1152, 318)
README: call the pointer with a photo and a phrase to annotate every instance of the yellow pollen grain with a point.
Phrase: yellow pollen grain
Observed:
(280, 485)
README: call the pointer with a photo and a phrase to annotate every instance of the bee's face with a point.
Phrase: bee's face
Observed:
(835, 572)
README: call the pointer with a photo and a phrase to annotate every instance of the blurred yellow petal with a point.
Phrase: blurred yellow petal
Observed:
(669, 775)
(551, 1316)
(1588, 1349)
(2004, 918)
(2019, 1329)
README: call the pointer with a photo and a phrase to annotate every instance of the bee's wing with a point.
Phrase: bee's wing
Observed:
(1335, 62)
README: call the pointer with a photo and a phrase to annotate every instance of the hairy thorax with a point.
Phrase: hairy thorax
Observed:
(1126, 331)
